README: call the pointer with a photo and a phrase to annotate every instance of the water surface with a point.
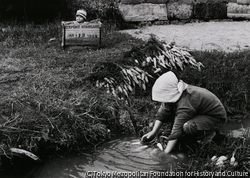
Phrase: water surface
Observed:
(122, 155)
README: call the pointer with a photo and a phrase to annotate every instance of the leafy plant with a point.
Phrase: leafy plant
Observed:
(140, 67)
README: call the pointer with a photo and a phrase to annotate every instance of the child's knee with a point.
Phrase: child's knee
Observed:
(190, 128)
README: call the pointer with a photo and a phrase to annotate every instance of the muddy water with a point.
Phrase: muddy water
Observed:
(120, 156)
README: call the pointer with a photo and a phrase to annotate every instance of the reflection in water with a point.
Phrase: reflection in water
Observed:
(121, 155)
(125, 154)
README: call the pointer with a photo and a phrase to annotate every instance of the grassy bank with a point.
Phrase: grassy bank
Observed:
(39, 85)
(46, 107)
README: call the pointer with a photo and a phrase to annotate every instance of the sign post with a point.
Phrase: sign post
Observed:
(86, 34)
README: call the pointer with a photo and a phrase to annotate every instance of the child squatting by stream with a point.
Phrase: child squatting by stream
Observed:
(194, 111)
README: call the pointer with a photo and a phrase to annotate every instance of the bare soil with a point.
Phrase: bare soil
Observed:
(228, 36)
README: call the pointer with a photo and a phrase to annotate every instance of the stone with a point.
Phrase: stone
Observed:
(238, 11)
(143, 12)
(181, 1)
(207, 1)
(238, 16)
(132, 1)
(235, 8)
(144, 1)
(178, 11)
(243, 2)
(156, 1)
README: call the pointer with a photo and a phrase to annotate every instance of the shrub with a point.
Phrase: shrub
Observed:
(38, 11)
(210, 10)
(226, 75)
(179, 11)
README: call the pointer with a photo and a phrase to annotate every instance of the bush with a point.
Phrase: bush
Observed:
(226, 75)
(41, 11)
(210, 10)
(32, 10)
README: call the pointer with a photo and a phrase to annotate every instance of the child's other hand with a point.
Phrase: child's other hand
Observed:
(148, 137)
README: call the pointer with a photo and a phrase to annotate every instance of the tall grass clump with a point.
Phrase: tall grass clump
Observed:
(226, 75)
(14, 34)
(235, 151)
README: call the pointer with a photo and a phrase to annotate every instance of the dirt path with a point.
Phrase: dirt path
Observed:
(222, 36)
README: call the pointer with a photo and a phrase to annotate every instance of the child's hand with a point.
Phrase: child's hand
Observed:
(148, 137)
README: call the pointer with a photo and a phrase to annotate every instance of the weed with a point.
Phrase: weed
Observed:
(47, 106)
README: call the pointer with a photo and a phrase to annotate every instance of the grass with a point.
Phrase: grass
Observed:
(45, 106)
(40, 84)
(226, 75)
(223, 145)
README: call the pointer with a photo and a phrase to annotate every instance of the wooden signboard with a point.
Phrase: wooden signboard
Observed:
(81, 34)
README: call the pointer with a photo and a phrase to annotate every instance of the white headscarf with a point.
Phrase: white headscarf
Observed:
(81, 13)
(167, 88)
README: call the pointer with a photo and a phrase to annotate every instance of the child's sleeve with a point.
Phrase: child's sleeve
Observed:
(165, 113)
(184, 113)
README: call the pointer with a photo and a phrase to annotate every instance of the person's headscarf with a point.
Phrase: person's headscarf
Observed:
(167, 88)
(81, 13)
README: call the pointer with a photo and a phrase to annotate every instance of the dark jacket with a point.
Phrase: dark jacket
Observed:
(193, 101)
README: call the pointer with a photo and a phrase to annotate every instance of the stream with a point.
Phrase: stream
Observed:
(119, 157)
(124, 155)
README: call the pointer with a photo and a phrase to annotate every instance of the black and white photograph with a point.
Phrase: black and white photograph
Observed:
(124, 88)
